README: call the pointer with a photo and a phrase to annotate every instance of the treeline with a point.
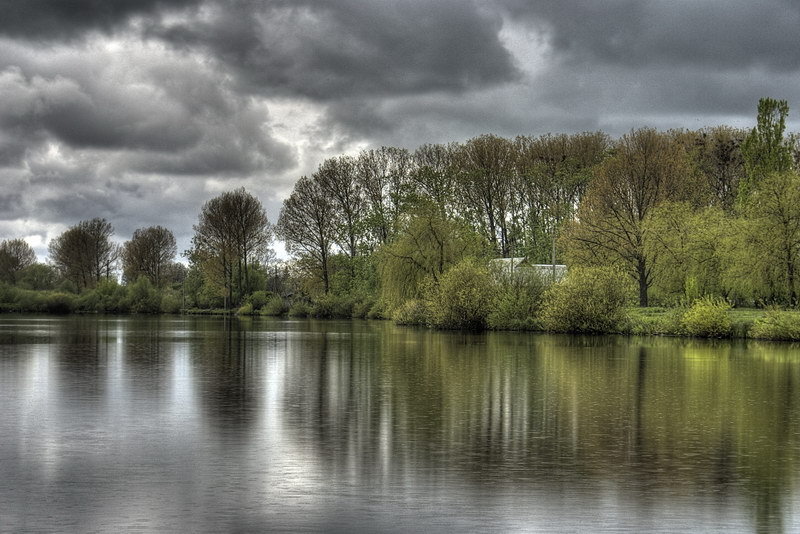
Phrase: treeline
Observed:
(680, 214)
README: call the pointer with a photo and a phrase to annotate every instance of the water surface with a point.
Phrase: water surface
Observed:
(208, 425)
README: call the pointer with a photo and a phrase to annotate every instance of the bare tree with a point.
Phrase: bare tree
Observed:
(306, 223)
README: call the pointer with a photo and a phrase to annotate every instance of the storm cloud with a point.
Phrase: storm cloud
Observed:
(140, 111)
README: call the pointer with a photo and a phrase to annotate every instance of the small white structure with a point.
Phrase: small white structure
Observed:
(521, 267)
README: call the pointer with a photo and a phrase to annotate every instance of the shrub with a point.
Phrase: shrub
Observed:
(142, 297)
(362, 306)
(58, 303)
(707, 317)
(259, 299)
(299, 309)
(171, 302)
(463, 297)
(274, 307)
(516, 302)
(332, 306)
(245, 309)
(378, 310)
(778, 325)
(411, 312)
(587, 300)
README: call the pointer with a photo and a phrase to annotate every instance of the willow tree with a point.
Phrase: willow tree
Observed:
(771, 247)
(232, 234)
(647, 168)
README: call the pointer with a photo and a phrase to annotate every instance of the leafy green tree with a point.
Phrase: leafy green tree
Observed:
(773, 233)
(765, 150)
(647, 168)
(686, 242)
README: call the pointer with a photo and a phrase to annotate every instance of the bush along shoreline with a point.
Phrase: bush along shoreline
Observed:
(468, 296)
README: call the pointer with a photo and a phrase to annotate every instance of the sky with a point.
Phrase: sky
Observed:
(139, 111)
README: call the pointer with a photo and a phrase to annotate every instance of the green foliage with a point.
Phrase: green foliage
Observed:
(245, 309)
(765, 150)
(379, 310)
(463, 297)
(258, 299)
(587, 300)
(274, 307)
(299, 309)
(171, 301)
(412, 312)
(106, 297)
(707, 317)
(777, 325)
(143, 297)
(38, 276)
(516, 301)
(333, 307)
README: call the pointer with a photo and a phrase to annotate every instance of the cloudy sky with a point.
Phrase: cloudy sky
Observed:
(139, 111)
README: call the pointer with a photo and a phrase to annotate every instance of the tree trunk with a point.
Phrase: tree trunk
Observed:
(641, 273)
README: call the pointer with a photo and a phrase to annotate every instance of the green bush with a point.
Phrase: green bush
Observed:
(58, 303)
(516, 302)
(362, 307)
(259, 299)
(332, 307)
(778, 325)
(707, 317)
(587, 300)
(245, 309)
(171, 301)
(299, 309)
(463, 297)
(142, 297)
(411, 312)
(274, 307)
(378, 310)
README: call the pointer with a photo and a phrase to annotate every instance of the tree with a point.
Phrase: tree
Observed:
(338, 178)
(425, 247)
(306, 223)
(149, 253)
(384, 177)
(485, 171)
(232, 233)
(15, 255)
(84, 253)
(687, 243)
(765, 150)
(772, 230)
(647, 168)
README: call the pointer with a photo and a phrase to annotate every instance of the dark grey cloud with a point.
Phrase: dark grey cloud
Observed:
(718, 34)
(329, 50)
(60, 19)
(140, 111)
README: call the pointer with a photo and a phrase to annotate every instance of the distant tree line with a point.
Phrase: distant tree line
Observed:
(681, 213)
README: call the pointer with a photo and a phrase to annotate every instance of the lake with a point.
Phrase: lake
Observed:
(211, 425)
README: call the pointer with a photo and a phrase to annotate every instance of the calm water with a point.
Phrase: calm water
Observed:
(190, 424)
